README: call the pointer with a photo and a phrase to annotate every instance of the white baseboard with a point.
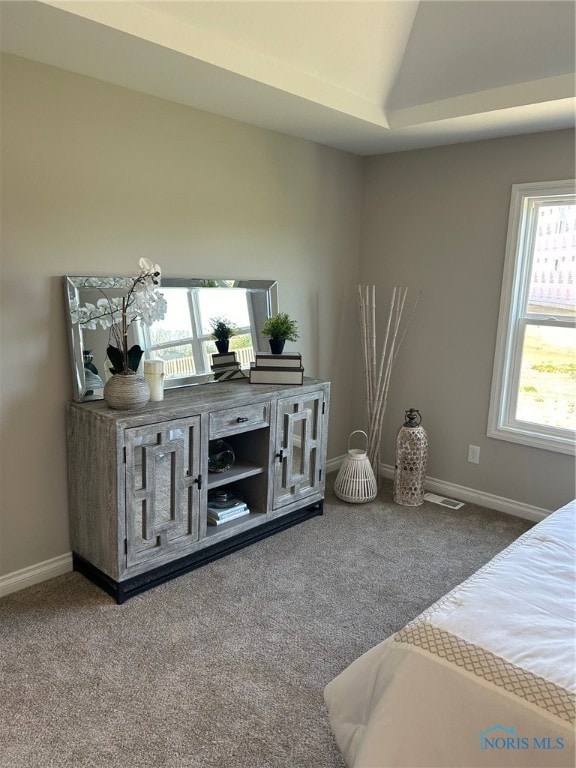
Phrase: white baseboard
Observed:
(483, 499)
(34, 574)
(461, 493)
(333, 465)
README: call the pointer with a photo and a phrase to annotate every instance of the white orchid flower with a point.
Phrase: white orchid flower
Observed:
(107, 321)
(141, 301)
(146, 266)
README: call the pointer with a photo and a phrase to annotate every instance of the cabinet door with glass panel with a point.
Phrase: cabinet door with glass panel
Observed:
(163, 487)
(300, 448)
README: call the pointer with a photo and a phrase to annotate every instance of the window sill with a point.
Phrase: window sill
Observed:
(535, 439)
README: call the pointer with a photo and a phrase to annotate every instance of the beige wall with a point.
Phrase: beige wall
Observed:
(94, 177)
(436, 219)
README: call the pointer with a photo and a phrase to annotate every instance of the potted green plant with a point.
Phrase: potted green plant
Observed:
(279, 328)
(222, 331)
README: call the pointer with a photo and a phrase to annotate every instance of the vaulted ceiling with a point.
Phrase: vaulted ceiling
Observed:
(367, 77)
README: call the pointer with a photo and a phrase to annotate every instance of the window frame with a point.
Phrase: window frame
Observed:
(513, 320)
(198, 340)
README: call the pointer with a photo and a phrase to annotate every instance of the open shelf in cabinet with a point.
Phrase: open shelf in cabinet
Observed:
(212, 530)
(251, 489)
(239, 471)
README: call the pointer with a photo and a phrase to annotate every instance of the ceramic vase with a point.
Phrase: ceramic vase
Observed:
(126, 392)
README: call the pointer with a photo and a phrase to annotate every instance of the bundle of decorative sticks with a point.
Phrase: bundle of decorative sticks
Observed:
(377, 371)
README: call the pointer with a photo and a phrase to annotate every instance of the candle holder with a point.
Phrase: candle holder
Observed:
(154, 375)
(411, 459)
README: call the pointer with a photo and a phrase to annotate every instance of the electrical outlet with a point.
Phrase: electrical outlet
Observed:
(474, 454)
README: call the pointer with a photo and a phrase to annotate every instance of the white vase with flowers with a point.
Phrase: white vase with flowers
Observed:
(143, 302)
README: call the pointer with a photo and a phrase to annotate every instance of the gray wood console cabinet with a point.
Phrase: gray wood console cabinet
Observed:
(139, 480)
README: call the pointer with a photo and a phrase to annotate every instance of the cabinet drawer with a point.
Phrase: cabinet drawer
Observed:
(241, 419)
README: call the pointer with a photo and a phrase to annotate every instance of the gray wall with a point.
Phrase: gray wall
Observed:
(436, 220)
(93, 178)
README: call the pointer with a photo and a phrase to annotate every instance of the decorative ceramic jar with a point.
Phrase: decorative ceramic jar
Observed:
(126, 392)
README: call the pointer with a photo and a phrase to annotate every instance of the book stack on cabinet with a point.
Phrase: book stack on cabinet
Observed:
(223, 507)
(277, 369)
(225, 366)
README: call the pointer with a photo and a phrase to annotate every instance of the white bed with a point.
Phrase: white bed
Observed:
(484, 677)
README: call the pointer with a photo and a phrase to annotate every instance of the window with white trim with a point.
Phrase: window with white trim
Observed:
(533, 399)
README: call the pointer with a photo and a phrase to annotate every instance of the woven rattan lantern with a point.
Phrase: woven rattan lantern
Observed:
(411, 458)
(355, 481)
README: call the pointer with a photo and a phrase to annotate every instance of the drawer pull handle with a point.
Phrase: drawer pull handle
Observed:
(241, 419)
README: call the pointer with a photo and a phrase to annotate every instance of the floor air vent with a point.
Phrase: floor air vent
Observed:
(443, 501)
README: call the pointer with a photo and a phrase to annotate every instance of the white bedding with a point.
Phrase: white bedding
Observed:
(485, 677)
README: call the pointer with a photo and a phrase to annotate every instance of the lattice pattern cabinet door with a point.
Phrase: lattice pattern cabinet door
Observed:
(300, 448)
(163, 486)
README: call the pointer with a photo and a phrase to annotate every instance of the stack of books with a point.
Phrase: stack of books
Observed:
(277, 369)
(225, 507)
(225, 366)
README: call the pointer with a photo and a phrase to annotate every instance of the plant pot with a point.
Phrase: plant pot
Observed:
(222, 345)
(276, 346)
(126, 392)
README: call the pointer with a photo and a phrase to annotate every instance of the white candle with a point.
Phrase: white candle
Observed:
(154, 375)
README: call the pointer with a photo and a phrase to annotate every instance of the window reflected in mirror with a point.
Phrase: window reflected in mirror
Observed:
(182, 339)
